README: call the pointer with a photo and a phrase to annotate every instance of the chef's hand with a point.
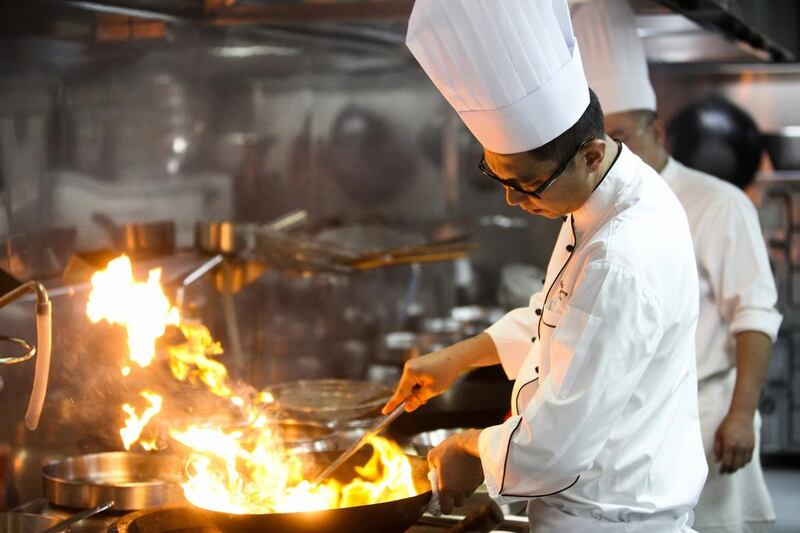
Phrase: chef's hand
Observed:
(734, 442)
(434, 373)
(458, 467)
(431, 374)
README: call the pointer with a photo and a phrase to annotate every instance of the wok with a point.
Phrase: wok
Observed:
(387, 517)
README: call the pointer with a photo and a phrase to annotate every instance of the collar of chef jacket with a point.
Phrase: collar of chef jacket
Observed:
(670, 171)
(603, 202)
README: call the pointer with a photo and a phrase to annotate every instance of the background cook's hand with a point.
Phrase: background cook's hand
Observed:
(432, 374)
(458, 468)
(734, 442)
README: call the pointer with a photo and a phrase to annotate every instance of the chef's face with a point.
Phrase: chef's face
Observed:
(640, 132)
(566, 194)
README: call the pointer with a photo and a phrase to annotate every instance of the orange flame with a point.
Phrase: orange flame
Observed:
(134, 425)
(191, 361)
(141, 307)
(250, 472)
(247, 470)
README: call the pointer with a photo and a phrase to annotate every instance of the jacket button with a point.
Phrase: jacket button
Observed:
(538, 312)
(564, 218)
(543, 280)
(536, 369)
(533, 339)
(570, 248)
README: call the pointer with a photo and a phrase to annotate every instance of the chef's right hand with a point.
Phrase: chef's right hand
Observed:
(431, 374)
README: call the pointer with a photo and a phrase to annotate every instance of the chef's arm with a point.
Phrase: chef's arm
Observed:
(734, 439)
(736, 260)
(753, 352)
(432, 374)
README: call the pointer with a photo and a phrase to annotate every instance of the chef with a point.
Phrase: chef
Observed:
(738, 321)
(604, 433)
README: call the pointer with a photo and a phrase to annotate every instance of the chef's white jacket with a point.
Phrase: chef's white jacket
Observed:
(737, 288)
(737, 293)
(604, 432)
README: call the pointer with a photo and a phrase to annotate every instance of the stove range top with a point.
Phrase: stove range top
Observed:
(182, 519)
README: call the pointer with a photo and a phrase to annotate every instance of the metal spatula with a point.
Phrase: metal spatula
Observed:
(382, 424)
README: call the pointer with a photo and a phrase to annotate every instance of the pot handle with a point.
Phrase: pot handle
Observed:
(44, 338)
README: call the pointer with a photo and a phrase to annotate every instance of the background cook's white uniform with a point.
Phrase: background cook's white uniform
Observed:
(737, 293)
(605, 433)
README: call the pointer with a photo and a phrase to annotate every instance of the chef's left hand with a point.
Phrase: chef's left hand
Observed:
(459, 468)
(734, 442)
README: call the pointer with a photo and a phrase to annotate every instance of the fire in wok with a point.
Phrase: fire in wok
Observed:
(243, 475)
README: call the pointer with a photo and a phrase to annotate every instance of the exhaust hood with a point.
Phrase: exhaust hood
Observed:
(768, 27)
(674, 30)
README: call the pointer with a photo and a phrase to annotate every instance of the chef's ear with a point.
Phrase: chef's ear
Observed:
(593, 154)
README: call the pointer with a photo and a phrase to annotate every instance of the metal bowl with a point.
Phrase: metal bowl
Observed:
(133, 480)
(783, 147)
(427, 440)
(305, 436)
(25, 522)
(330, 401)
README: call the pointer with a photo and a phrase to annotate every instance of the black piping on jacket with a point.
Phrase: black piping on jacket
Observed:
(516, 399)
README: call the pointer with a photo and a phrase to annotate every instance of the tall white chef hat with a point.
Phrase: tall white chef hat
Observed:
(510, 68)
(613, 56)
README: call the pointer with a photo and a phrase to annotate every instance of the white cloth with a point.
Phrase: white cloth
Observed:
(730, 503)
(613, 56)
(737, 293)
(737, 289)
(604, 428)
(510, 68)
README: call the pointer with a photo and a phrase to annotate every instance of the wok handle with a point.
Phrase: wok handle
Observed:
(486, 518)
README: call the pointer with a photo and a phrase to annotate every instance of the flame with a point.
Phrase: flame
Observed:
(134, 425)
(191, 361)
(141, 307)
(250, 472)
(245, 470)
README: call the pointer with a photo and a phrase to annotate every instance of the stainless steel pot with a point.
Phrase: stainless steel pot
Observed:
(132, 480)
(428, 440)
(141, 240)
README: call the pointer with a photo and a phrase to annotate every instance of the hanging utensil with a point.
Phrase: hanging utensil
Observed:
(11, 290)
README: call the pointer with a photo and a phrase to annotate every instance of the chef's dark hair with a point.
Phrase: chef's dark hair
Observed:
(590, 125)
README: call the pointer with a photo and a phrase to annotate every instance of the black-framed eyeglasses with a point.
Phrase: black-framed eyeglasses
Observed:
(537, 193)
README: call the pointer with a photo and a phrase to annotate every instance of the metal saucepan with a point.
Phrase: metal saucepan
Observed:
(141, 240)
(132, 480)
(231, 238)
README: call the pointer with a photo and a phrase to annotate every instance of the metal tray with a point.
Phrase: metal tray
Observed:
(133, 480)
